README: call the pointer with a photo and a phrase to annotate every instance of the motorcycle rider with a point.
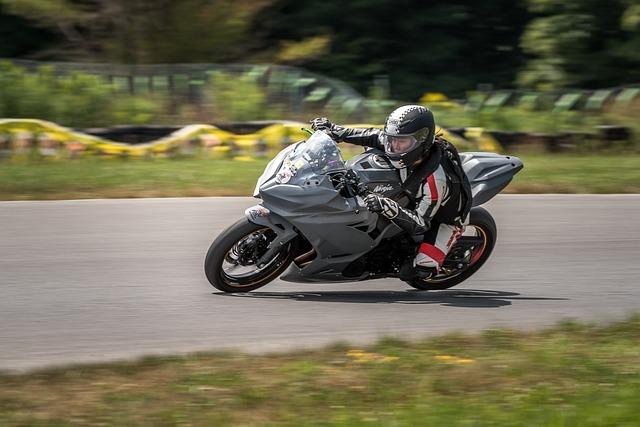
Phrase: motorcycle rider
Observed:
(430, 169)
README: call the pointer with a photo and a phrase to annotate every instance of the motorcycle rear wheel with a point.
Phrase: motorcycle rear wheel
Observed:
(483, 223)
(238, 247)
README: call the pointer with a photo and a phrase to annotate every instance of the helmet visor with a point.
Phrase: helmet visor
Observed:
(399, 144)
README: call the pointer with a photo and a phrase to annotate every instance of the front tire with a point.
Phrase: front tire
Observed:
(485, 226)
(239, 246)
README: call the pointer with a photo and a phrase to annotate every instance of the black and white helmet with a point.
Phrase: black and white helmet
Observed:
(408, 134)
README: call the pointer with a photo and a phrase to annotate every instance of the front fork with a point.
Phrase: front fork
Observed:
(285, 232)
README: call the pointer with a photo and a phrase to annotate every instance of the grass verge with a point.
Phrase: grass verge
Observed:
(565, 173)
(114, 178)
(573, 374)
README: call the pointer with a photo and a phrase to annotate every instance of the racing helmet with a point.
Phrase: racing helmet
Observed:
(408, 134)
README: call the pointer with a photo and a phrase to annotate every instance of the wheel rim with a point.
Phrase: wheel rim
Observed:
(475, 256)
(239, 266)
(477, 253)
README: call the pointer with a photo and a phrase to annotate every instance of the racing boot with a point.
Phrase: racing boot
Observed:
(427, 261)
(409, 270)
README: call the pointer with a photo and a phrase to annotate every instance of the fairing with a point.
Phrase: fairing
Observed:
(298, 197)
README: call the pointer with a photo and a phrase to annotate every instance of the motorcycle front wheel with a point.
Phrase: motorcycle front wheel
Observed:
(482, 225)
(231, 264)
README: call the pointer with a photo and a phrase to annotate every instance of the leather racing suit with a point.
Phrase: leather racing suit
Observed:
(435, 209)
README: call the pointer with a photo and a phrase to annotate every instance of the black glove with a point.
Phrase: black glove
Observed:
(382, 205)
(335, 132)
(321, 123)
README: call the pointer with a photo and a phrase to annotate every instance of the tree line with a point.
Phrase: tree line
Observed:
(411, 46)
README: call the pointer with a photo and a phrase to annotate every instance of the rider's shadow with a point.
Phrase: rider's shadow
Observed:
(470, 298)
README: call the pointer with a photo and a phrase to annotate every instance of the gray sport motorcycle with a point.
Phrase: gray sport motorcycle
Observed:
(312, 226)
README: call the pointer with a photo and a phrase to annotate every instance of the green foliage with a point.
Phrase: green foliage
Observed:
(518, 119)
(78, 100)
(303, 51)
(182, 31)
(20, 38)
(46, 12)
(239, 98)
(139, 31)
(581, 43)
(448, 46)
(437, 46)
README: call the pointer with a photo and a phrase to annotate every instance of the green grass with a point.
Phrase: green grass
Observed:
(570, 375)
(109, 178)
(565, 173)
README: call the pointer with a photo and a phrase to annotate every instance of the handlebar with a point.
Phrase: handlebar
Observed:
(354, 187)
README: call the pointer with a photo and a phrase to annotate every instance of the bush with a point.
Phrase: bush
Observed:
(518, 119)
(239, 98)
(75, 100)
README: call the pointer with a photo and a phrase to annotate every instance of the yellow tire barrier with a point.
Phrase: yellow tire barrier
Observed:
(483, 139)
(23, 138)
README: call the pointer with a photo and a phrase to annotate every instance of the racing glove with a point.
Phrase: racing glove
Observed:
(335, 132)
(382, 205)
(321, 123)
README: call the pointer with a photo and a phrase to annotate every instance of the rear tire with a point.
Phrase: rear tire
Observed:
(485, 225)
(224, 245)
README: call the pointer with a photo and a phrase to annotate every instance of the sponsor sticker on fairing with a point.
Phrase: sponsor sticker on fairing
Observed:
(381, 188)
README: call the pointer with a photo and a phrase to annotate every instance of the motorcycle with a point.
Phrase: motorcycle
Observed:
(312, 226)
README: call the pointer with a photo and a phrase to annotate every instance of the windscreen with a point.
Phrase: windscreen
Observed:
(316, 156)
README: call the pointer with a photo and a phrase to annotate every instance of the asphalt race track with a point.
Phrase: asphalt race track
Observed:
(91, 280)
